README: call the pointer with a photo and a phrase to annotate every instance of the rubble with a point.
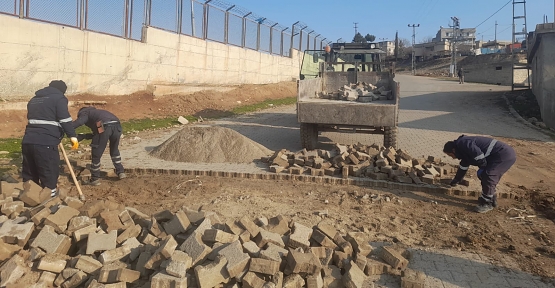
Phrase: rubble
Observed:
(359, 160)
(359, 92)
(104, 244)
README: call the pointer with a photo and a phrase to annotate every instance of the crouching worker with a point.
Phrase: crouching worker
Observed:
(105, 128)
(493, 159)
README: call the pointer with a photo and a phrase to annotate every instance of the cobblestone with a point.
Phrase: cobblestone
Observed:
(431, 112)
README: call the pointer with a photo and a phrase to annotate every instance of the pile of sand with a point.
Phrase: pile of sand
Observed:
(209, 144)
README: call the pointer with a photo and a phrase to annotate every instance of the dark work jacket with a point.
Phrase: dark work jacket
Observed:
(90, 115)
(48, 118)
(476, 151)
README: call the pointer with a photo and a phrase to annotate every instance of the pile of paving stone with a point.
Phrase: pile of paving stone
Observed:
(361, 92)
(104, 244)
(374, 161)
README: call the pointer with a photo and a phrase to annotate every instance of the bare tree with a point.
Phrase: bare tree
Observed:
(427, 39)
(405, 47)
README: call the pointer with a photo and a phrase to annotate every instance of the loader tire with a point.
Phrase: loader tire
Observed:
(309, 136)
(390, 137)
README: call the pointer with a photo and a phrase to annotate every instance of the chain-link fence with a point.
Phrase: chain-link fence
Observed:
(214, 20)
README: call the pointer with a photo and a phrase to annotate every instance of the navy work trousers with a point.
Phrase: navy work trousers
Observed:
(41, 163)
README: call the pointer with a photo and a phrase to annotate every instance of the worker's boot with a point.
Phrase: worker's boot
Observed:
(484, 205)
(122, 175)
(494, 201)
(94, 182)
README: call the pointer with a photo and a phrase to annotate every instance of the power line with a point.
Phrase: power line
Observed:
(494, 13)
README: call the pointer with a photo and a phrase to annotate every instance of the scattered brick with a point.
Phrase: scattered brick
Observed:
(394, 258)
(60, 219)
(353, 277)
(179, 223)
(13, 233)
(88, 264)
(300, 236)
(413, 279)
(52, 263)
(51, 242)
(101, 242)
(212, 274)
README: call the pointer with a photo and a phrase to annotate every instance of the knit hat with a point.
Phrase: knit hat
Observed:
(58, 84)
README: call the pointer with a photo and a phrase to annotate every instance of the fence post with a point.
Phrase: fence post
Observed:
(315, 37)
(272, 38)
(281, 43)
(131, 19)
(226, 24)
(86, 14)
(125, 18)
(244, 30)
(21, 8)
(308, 40)
(146, 20)
(193, 32)
(258, 36)
(179, 16)
(292, 36)
(205, 19)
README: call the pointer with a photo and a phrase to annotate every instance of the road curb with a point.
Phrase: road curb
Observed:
(365, 182)
(524, 121)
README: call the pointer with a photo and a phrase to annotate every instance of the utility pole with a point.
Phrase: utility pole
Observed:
(456, 25)
(495, 32)
(413, 40)
(356, 27)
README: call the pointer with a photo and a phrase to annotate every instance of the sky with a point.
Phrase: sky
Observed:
(334, 19)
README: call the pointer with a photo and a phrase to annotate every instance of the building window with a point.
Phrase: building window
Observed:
(447, 34)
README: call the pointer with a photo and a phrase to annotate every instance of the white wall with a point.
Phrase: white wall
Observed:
(34, 53)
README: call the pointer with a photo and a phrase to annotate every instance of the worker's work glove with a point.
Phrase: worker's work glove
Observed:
(75, 143)
(479, 173)
(81, 137)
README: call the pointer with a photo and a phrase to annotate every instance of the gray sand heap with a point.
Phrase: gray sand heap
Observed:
(209, 144)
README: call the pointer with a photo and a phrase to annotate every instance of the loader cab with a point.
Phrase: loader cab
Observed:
(343, 57)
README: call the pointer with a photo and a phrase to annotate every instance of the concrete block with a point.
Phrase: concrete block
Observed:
(101, 242)
(162, 280)
(195, 248)
(300, 236)
(83, 233)
(375, 267)
(413, 279)
(135, 247)
(343, 244)
(13, 233)
(7, 189)
(353, 277)
(39, 217)
(215, 235)
(177, 268)
(394, 258)
(251, 248)
(156, 228)
(8, 250)
(263, 266)
(126, 219)
(35, 195)
(108, 275)
(264, 237)
(146, 238)
(237, 260)
(51, 242)
(109, 221)
(331, 171)
(300, 262)
(274, 252)
(114, 254)
(13, 207)
(164, 252)
(232, 226)
(179, 223)
(141, 261)
(113, 206)
(73, 202)
(246, 223)
(46, 279)
(95, 209)
(88, 264)
(293, 281)
(251, 280)
(324, 254)
(327, 229)
(68, 273)
(361, 262)
(130, 232)
(138, 216)
(127, 275)
(315, 281)
(12, 270)
(79, 222)
(76, 280)
(278, 224)
(53, 263)
(212, 274)
(360, 243)
(60, 219)
(322, 239)
(341, 259)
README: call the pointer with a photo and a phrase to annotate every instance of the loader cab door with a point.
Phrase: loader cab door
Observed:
(310, 67)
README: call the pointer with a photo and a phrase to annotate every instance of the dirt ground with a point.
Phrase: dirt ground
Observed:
(413, 219)
(140, 105)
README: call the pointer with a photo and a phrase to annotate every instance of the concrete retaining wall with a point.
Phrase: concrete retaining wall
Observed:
(33, 53)
(543, 84)
(494, 73)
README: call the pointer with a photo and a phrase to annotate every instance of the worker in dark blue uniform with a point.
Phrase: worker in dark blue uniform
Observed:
(105, 127)
(493, 159)
(48, 119)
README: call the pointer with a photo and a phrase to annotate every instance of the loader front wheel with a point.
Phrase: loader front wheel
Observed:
(390, 137)
(309, 136)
